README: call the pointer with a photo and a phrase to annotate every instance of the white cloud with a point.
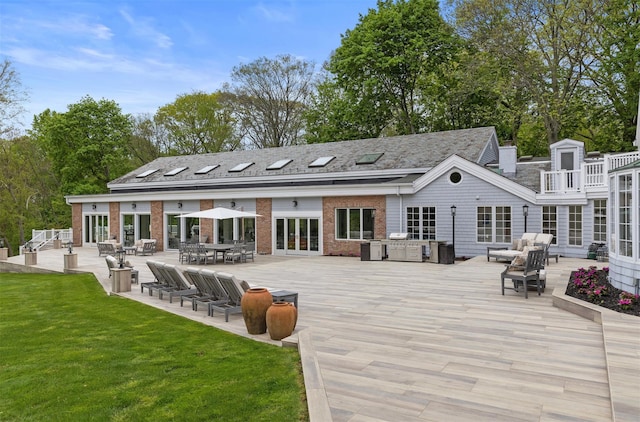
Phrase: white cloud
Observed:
(144, 29)
(273, 14)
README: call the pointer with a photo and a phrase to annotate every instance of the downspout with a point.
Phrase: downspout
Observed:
(400, 208)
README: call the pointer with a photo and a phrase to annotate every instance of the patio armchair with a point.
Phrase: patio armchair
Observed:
(106, 248)
(248, 251)
(145, 247)
(113, 263)
(234, 254)
(525, 273)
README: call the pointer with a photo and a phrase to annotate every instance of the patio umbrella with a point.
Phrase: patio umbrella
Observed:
(220, 213)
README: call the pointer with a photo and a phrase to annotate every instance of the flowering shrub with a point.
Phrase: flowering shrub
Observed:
(592, 285)
(588, 282)
(627, 300)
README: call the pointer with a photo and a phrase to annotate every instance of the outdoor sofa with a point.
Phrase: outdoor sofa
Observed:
(521, 246)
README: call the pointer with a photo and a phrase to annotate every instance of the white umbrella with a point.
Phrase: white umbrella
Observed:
(220, 213)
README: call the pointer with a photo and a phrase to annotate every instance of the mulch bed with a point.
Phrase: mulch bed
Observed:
(608, 299)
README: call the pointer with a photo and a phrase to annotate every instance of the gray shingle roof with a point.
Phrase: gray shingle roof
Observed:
(420, 151)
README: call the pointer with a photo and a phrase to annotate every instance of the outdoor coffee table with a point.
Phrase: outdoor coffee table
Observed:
(285, 296)
(129, 250)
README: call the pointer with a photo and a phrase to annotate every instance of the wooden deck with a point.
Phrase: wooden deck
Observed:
(391, 341)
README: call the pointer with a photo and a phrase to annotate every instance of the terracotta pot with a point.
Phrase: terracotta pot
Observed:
(281, 320)
(255, 303)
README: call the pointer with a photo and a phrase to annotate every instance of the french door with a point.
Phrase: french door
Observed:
(96, 228)
(297, 236)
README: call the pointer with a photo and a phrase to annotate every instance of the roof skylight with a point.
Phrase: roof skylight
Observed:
(207, 169)
(279, 164)
(322, 161)
(240, 167)
(175, 171)
(369, 158)
(146, 173)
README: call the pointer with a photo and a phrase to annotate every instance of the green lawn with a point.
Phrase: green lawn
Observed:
(69, 352)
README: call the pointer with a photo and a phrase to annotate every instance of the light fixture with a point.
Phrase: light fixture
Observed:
(179, 205)
(453, 210)
(525, 210)
(70, 246)
(94, 206)
(133, 206)
(233, 204)
(295, 203)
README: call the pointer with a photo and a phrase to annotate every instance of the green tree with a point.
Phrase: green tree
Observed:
(386, 60)
(88, 144)
(616, 78)
(29, 192)
(147, 139)
(269, 98)
(12, 96)
(546, 44)
(197, 123)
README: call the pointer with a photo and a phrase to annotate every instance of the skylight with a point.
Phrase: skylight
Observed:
(322, 161)
(146, 173)
(207, 169)
(175, 171)
(240, 167)
(279, 164)
(369, 158)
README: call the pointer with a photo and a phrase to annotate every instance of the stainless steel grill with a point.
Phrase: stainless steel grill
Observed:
(400, 248)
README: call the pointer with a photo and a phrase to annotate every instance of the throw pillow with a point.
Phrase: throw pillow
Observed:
(245, 286)
(521, 245)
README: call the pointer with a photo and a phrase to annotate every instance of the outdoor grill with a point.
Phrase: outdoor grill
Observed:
(400, 248)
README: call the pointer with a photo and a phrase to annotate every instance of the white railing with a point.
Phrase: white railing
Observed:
(590, 177)
(43, 238)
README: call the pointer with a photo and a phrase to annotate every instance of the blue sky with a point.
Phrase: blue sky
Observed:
(143, 53)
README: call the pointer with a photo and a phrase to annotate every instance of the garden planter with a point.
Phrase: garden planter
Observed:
(255, 303)
(281, 320)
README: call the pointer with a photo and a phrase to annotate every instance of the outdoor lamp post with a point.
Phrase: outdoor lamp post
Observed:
(120, 255)
(453, 229)
(525, 212)
(70, 247)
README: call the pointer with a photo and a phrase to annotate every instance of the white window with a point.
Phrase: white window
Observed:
(493, 224)
(550, 222)
(421, 223)
(600, 220)
(625, 246)
(575, 225)
(355, 223)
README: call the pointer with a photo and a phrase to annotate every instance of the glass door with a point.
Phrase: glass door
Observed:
(96, 228)
(297, 236)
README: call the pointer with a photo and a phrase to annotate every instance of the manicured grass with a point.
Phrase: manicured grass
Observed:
(69, 352)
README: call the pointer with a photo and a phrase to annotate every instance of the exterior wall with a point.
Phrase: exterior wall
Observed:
(206, 224)
(76, 224)
(333, 246)
(624, 273)
(157, 223)
(263, 226)
(114, 220)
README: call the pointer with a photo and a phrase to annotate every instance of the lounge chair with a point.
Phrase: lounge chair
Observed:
(145, 247)
(106, 248)
(524, 273)
(160, 282)
(178, 286)
(234, 292)
(204, 292)
(217, 294)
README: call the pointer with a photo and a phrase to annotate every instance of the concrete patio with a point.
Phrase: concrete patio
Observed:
(400, 341)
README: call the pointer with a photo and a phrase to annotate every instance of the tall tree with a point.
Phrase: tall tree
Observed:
(197, 123)
(147, 139)
(269, 98)
(88, 144)
(616, 79)
(12, 96)
(546, 44)
(387, 58)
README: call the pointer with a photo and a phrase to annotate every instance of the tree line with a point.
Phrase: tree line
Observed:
(536, 71)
